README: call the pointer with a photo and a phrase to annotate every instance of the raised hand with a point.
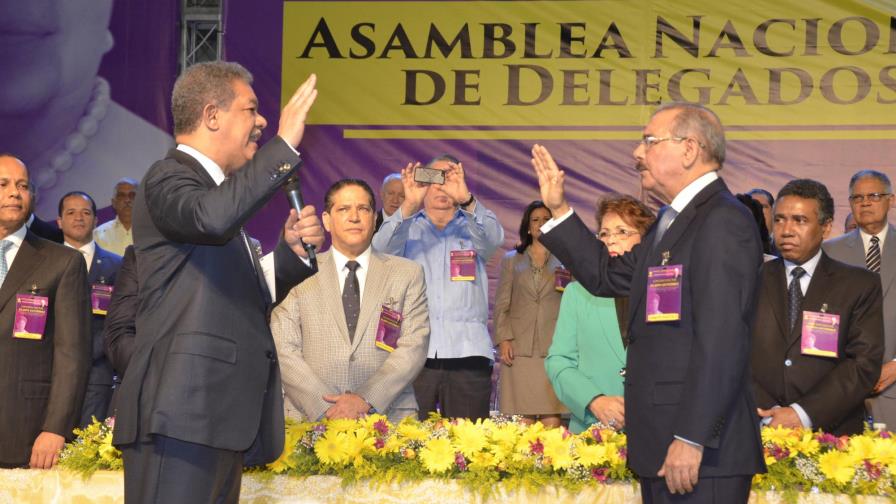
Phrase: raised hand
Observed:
(455, 183)
(293, 115)
(550, 181)
(414, 191)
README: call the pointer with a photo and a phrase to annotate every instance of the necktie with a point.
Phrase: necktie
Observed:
(667, 215)
(795, 296)
(4, 268)
(872, 259)
(351, 298)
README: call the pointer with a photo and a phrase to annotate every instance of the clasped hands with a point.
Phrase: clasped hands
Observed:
(455, 187)
(346, 405)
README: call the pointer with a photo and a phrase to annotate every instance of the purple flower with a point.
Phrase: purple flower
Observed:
(460, 461)
(778, 453)
(536, 447)
(873, 470)
(884, 434)
(381, 427)
(830, 440)
(599, 473)
(623, 453)
(595, 433)
(379, 444)
(320, 428)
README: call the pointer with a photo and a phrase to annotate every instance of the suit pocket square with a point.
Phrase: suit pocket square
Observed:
(206, 345)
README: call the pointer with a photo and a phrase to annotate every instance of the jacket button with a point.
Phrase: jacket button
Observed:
(270, 354)
(788, 362)
(284, 168)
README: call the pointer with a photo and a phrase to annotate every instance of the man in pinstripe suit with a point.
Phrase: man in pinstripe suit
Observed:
(326, 328)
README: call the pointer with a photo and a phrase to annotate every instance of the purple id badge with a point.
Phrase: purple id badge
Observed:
(388, 330)
(463, 265)
(100, 297)
(562, 277)
(820, 334)
(31, 316)
(664, 293)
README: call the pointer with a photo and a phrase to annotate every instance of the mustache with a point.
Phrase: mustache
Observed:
(256, 134)
(639, 167)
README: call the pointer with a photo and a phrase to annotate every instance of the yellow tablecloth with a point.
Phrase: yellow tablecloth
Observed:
(22, 486)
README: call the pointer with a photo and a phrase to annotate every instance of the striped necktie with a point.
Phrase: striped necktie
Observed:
(872, 259)
(5, 245)
(795, 296)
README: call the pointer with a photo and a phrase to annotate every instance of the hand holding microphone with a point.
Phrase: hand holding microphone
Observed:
(303, 231)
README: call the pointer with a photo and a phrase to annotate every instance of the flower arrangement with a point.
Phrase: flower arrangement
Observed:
(479, 454)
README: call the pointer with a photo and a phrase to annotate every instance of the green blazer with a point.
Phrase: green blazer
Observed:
(586, 355)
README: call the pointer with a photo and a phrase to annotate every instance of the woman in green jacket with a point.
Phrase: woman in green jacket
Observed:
(586, 360)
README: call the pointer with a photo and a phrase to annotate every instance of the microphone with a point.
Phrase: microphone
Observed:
(294, 195)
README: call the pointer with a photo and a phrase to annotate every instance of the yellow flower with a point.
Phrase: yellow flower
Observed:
(781, 436)
(356, 444)
(861, 448)
(341, 425)
(330, 448)
(469, 438)
(591, 455)
(294, 433)
(557, 449)
(483, 460)
(411, 430)
(437, 455)
(806, 445)
(837, 465)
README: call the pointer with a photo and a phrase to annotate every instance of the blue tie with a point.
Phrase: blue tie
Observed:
(5, 245)
(667, 215)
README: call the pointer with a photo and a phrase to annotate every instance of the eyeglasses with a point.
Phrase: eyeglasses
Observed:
(875, 197)
(620, 233)
(650, 140)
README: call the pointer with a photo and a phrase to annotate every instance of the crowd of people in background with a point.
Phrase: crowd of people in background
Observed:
(690, 326)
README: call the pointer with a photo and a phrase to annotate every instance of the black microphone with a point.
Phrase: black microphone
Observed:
(294, 195)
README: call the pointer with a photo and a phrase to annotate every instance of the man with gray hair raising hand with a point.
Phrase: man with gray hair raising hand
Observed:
(692, 424)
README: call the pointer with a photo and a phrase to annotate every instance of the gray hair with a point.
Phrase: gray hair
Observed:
(126, 180)
(200, 85)
(442, 157)
(881, 177)
(695, 120)
(390, 177)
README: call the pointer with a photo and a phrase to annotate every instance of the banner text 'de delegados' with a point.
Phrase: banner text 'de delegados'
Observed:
(592, 63)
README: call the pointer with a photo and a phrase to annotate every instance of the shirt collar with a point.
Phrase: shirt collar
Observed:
(214, 171)
(809, 266)
(866, 238)
(340, 259)
(17, 237)
(691, 190)
(88, 249)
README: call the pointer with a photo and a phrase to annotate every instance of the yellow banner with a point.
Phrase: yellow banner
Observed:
(511, 68)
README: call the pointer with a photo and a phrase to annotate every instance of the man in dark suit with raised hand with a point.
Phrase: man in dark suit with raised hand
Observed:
(77, 219)
(692, 423)
(44, 369)
(818, 336)
(202, 394)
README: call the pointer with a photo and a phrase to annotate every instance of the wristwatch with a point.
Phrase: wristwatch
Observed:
(468, 202)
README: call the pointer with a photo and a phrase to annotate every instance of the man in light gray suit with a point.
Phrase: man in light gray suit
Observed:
(873, 245)
(329, 330)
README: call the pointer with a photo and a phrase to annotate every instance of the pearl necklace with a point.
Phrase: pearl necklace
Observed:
(76, 141)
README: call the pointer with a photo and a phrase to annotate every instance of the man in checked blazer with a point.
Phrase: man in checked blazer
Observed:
(326, 328)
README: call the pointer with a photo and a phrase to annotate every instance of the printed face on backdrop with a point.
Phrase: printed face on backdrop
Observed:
(55, 47)
(798, 231)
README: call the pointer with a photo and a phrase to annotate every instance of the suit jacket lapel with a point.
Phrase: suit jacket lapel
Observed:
(374, 287)
(888, 260)
(856, 248)
(331, 296)
(774, 292)
(28, 258)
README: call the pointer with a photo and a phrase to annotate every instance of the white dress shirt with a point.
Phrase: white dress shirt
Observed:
(866, 239)
(113, 236)
(16, 238)
(87, 251)
(363, 266)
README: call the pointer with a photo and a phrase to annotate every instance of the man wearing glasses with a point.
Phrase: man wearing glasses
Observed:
(873, 245)
(692, 424)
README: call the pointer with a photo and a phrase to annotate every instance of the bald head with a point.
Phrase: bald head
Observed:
(15, 194)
